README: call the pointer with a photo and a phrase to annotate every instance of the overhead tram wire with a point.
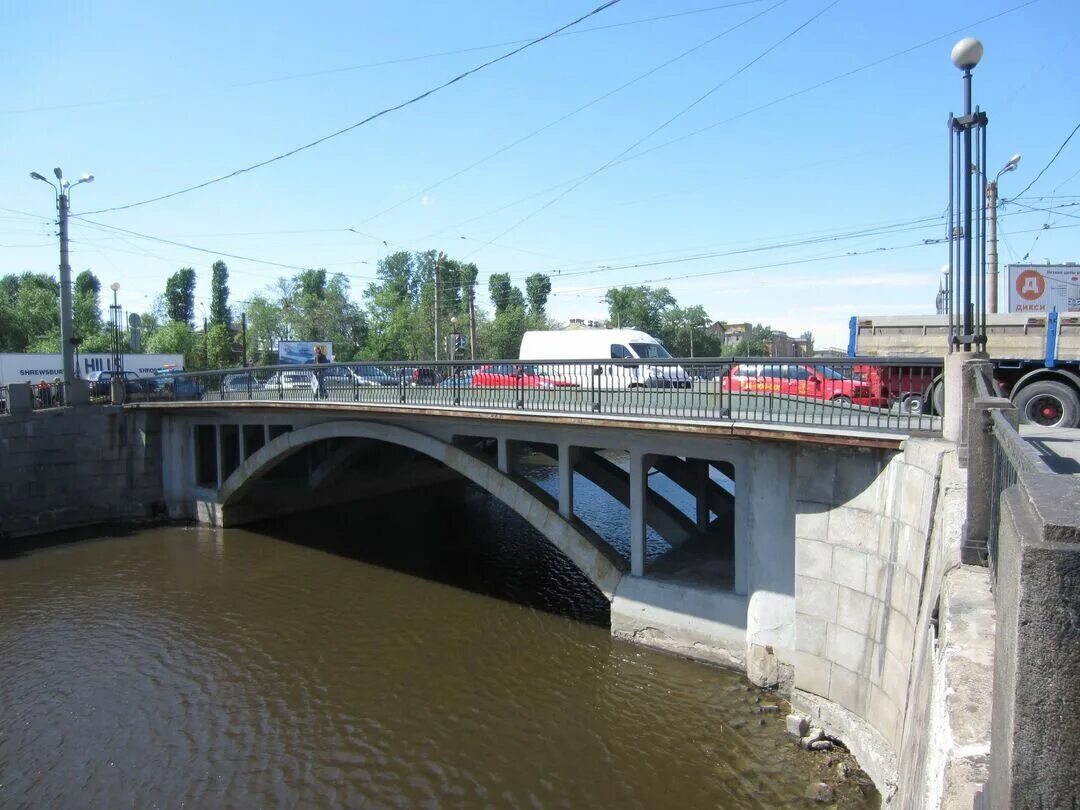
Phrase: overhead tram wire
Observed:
(793, 262)
(1051, 163)
(669, 121)
(459, 77)
(390, 62)
(738, 116)
(572, 113)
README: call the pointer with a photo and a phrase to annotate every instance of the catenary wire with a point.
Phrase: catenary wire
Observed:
(385, 111)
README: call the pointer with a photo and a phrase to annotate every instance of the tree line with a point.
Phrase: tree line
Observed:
(414, 295)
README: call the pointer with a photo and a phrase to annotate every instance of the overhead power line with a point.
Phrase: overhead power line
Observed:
(602, 7)
(571, 114)
(743, 114)
(1051, 163)
(669, 121)
(388, 62)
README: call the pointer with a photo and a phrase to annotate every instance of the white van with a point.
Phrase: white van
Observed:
(569, 345)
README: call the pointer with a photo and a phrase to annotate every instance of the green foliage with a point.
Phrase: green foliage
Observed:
(537, 290)
(180, 296)
(639, 308)
(683, 332)
(504, 295)
(219, 294)
(86, 306)
(220, 350)
(500, 338)
(177, 337)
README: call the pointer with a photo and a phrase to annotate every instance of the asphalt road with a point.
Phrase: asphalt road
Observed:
(1058, 447)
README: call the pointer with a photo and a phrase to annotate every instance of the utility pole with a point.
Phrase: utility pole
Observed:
(472, 322)
(991, 231)
(67, 331)
(243, 338)
(205, 344)
(992, 251)
(438, 263)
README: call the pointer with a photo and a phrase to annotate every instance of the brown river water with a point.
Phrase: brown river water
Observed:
(419, 652)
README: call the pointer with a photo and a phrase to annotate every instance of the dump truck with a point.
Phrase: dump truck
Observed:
(1035, 360)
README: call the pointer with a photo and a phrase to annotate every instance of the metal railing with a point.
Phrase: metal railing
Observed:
(1012, 456)
(880, 394)
(3, 400)
(48, 395)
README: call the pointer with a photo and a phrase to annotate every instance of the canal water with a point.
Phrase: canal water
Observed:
(422, 651)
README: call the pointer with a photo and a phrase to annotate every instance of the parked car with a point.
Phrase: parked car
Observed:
(525, 375)
(101, 383)
(797, 380)
(459, 379)
(173, 383)
(373, 375)
(240, 383)
(417, 375)
(290, 380)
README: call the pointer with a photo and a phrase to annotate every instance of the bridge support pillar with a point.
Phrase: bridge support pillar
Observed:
(218, 454)
(508, 450)
(701, 493)
(568, 459)
(640, 463)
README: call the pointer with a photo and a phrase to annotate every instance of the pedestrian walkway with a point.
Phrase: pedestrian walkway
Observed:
(1058, 447)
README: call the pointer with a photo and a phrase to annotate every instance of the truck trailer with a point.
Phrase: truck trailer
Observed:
(1035, 359)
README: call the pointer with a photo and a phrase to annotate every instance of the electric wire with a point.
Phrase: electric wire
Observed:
(572, 113)
(666, 123)
(1051, 163)
(387, 110)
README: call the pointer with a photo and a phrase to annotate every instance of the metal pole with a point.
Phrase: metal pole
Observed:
(66, 328)
(205, 345)
(992, 259)
(472, 322)
(967, 178)
(438, 260)
(243, 337)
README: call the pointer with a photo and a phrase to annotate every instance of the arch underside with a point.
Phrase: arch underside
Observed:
(588, 551)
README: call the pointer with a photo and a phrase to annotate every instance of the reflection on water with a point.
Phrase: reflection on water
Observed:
(358, 657)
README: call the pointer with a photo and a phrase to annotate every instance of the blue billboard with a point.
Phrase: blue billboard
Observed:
(302, 352)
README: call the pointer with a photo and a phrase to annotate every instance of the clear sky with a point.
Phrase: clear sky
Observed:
(154, 97)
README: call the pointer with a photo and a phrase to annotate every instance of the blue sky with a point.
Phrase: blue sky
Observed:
(152, 98)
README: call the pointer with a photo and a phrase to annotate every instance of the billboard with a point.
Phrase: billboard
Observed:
(15, 368)
(298, 352)
(1044, 287)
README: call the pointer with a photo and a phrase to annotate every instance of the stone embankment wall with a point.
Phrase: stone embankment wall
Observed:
(893, 638)
(67, 467)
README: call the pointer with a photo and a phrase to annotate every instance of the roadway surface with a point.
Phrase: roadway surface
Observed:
(1058, 447)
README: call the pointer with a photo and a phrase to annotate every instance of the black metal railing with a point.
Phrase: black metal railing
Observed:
(48, 395)
(1012, 456)
(880, 394)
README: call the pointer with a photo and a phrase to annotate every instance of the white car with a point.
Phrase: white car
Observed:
(289, 381)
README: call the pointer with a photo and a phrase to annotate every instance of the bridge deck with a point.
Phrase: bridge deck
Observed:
(671, 423)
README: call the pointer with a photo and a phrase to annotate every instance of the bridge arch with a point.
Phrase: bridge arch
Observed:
(598, 561)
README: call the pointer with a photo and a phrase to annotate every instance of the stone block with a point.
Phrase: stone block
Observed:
(847, 648)
(797, 724)
(899, 635)
(813, 559)
(848, 568)
(811, 521)
(815, 597)
(812, 673)
(762, 666)
(810, 634)
(925, 454)
(859, 480)
(856, 611)
(882, 714)
(878, 574)
(895, 674)
(854, 528)
(815, 474)
(911, 500)
(848, 689)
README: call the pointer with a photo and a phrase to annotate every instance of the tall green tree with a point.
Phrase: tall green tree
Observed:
(504, 294)
(180, 296)
(220, 350)
(86, 305)
(177, 337)
(638, 307)
(537, 290)
(219, 294)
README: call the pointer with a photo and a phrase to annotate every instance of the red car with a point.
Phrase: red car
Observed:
(512, 375)
(796, 380)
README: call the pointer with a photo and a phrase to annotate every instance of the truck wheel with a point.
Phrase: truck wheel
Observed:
(936, 398)
(911, 405)
(1050, 404)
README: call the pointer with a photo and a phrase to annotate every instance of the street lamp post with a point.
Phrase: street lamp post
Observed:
(992, 253)
(114, 314)
(67, 350)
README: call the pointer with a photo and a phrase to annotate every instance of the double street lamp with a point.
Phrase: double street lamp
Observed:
(114, 310)
(62, 189)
